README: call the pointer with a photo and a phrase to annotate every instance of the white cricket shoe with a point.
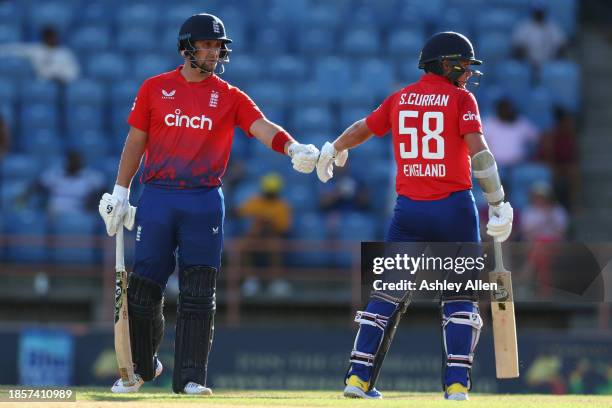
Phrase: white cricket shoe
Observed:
(193, 388)
(119, 388)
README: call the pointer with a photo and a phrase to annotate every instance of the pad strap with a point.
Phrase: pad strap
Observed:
(362, 358)
(372, 319)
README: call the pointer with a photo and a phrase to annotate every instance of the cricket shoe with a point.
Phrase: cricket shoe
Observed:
(456, 392)
(196, 389)
(357, 388)
(119, 388)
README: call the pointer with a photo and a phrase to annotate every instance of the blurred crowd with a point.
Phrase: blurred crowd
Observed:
(66, 89)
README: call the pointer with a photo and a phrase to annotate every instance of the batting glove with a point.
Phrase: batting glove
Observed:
(303, 157)
(116, 211)
(329, 156)
(500, 221)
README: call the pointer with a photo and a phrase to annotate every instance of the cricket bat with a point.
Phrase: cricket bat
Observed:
(504, 323)
(123, 350)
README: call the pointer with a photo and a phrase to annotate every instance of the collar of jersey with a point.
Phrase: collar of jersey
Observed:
(181, 78)
(429, 77)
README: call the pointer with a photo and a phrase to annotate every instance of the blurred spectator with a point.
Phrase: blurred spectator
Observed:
(72, 189)
(269, 216)
(49, 59)
(559, 150)
(510, 137)
(5, 137)
(543, 220)
(344, 193)
(538, 39)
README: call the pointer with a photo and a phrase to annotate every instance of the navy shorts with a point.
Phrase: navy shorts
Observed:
(184, 225)
(451, 219)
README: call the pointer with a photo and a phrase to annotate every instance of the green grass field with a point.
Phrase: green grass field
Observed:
(100, 397)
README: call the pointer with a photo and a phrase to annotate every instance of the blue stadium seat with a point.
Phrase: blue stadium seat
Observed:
(58, 14)
(301, 196)
(564, 13)
(12, 193)
(19, 167)
(138, 15)
(539, 107)
(361, 42)
(359, 95)
(136, 40)
(351, 114)
(38, 116)
(333, 76)
(243, 70)
(44, 146)
(168, 42)
(39, 91)
(308, 94)
(270, 41)
(16, 68)
(376, 148)
(513, 73)
(80, 118)
(85, 92)
(493, 48)
(354, 227)
(96, 12)
(8, 91)
(124, 92)
(562, 78)
(408, 71)
(82, 227)
(119, 116)
(90, 40)
(321, 16)
(10, 33)
(287, 68)
(244, 191)
(268, 93)
(313, 119)
(176, 15)
(28, 224)
(309, 226)
(378, 75)
(7, 112)
(405, 44)
(10, 13)
(107, 66)
(145, 66)
(421, 10)
(317, 41)
(94, 146)
(522, 178)
(496, 19)
(454, 19)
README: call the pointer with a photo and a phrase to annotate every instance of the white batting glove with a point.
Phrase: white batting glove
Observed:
(500, 221)
(329, 156)
(116, 211)
(303, 157)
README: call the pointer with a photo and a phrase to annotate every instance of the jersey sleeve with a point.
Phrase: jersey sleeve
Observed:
(140, 115)
(247, 112)
(469, 116)
(379, 121)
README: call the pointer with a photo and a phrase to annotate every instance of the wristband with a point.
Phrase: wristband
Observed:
(279, 141)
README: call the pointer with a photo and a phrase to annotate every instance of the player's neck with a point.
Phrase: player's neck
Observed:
(193, 75)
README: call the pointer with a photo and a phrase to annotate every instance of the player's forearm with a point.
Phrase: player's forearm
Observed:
(353, 136)
(265, 131)
(130, 160)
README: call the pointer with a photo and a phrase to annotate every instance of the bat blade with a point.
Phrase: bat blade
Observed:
(123, 348)
(504, 321)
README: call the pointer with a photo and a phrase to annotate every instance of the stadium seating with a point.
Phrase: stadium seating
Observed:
(26, 224)
(81, 226)
(312, 66)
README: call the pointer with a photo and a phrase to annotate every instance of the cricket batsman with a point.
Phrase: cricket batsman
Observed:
(438, 145)
(183, 122)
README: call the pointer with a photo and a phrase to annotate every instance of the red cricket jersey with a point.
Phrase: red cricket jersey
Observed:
(428, 120)
(190, 127)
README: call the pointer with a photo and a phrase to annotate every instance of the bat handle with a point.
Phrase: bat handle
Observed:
(497, 249)
(119, 257)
